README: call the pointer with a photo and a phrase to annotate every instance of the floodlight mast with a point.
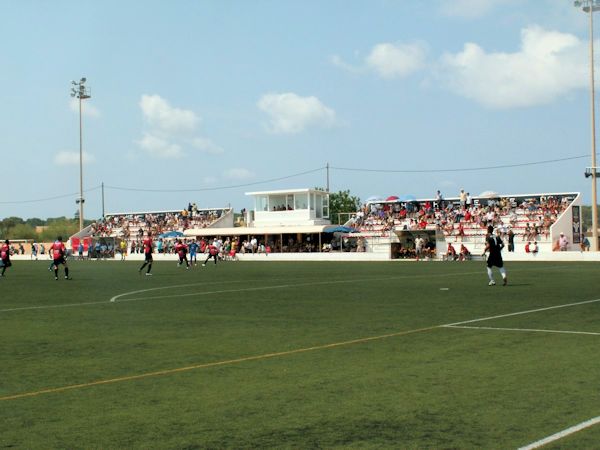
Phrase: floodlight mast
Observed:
(591, 6)
(79, 91)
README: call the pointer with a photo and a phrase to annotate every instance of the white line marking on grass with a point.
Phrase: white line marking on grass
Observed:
(566, 305)
(117, 297)
(262, 357)
(282, 286)
(66, 305)
(522, 329)
(260, 288)
(562, 434)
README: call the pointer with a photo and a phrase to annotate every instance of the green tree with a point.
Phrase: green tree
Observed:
(341, 205)
(59, 227)
(35, 222)
(21, 231)
(7, 224)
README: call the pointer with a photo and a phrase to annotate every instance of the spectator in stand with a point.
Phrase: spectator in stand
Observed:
(419, 246)
(460, 232)
(464, 254)
(585, 243)
(527, 233)
(469, 200)
(533, 248)
(563, 242)
(511, 240)
(34, 250)
(451, 253)
(439, 199)
(123, 249)
(463, 198)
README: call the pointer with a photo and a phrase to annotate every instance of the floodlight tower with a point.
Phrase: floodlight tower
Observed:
(590, 6)
(79, 91)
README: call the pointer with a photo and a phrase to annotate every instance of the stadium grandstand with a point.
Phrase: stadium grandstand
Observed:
(519, 219)
(382, 229)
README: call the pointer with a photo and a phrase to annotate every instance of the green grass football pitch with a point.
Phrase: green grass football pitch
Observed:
(298, 355)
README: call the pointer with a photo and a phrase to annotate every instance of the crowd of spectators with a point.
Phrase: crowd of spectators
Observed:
(133, 226)
(530, 218)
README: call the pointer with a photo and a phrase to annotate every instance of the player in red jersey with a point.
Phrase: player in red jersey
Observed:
(5, 256)
(213, 252)
(59, 252)
(148, 255)
(181, 250)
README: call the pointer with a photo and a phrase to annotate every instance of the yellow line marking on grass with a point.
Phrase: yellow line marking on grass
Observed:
(213, 364)
(273, 355)
(534, 330)
(562, 434)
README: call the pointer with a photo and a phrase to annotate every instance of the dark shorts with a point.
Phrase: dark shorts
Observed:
(6, 262)
(495, 261)
(60, 260)
(148, 257)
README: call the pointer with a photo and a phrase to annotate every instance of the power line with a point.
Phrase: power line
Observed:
(350, 169)
(49, 198)
(467, 169)
(214, 188)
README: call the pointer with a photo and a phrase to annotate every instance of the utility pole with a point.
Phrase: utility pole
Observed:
(79, 91)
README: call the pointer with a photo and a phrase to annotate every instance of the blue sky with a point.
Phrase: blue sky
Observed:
(195, 99)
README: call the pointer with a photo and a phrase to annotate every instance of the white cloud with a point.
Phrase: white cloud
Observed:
(170, 129)
(159, 147)
(388, 60)
(87, 109)
(238, 174)
(66, 158)
(206, 146)
(470, 9)
(159, 114)
(290, 113)
(396, 60)
(337, 61)
(548, 65)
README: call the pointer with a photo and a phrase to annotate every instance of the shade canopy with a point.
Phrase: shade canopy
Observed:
(488, 194)
(408, 198)
(171, 234)
(338, 229)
